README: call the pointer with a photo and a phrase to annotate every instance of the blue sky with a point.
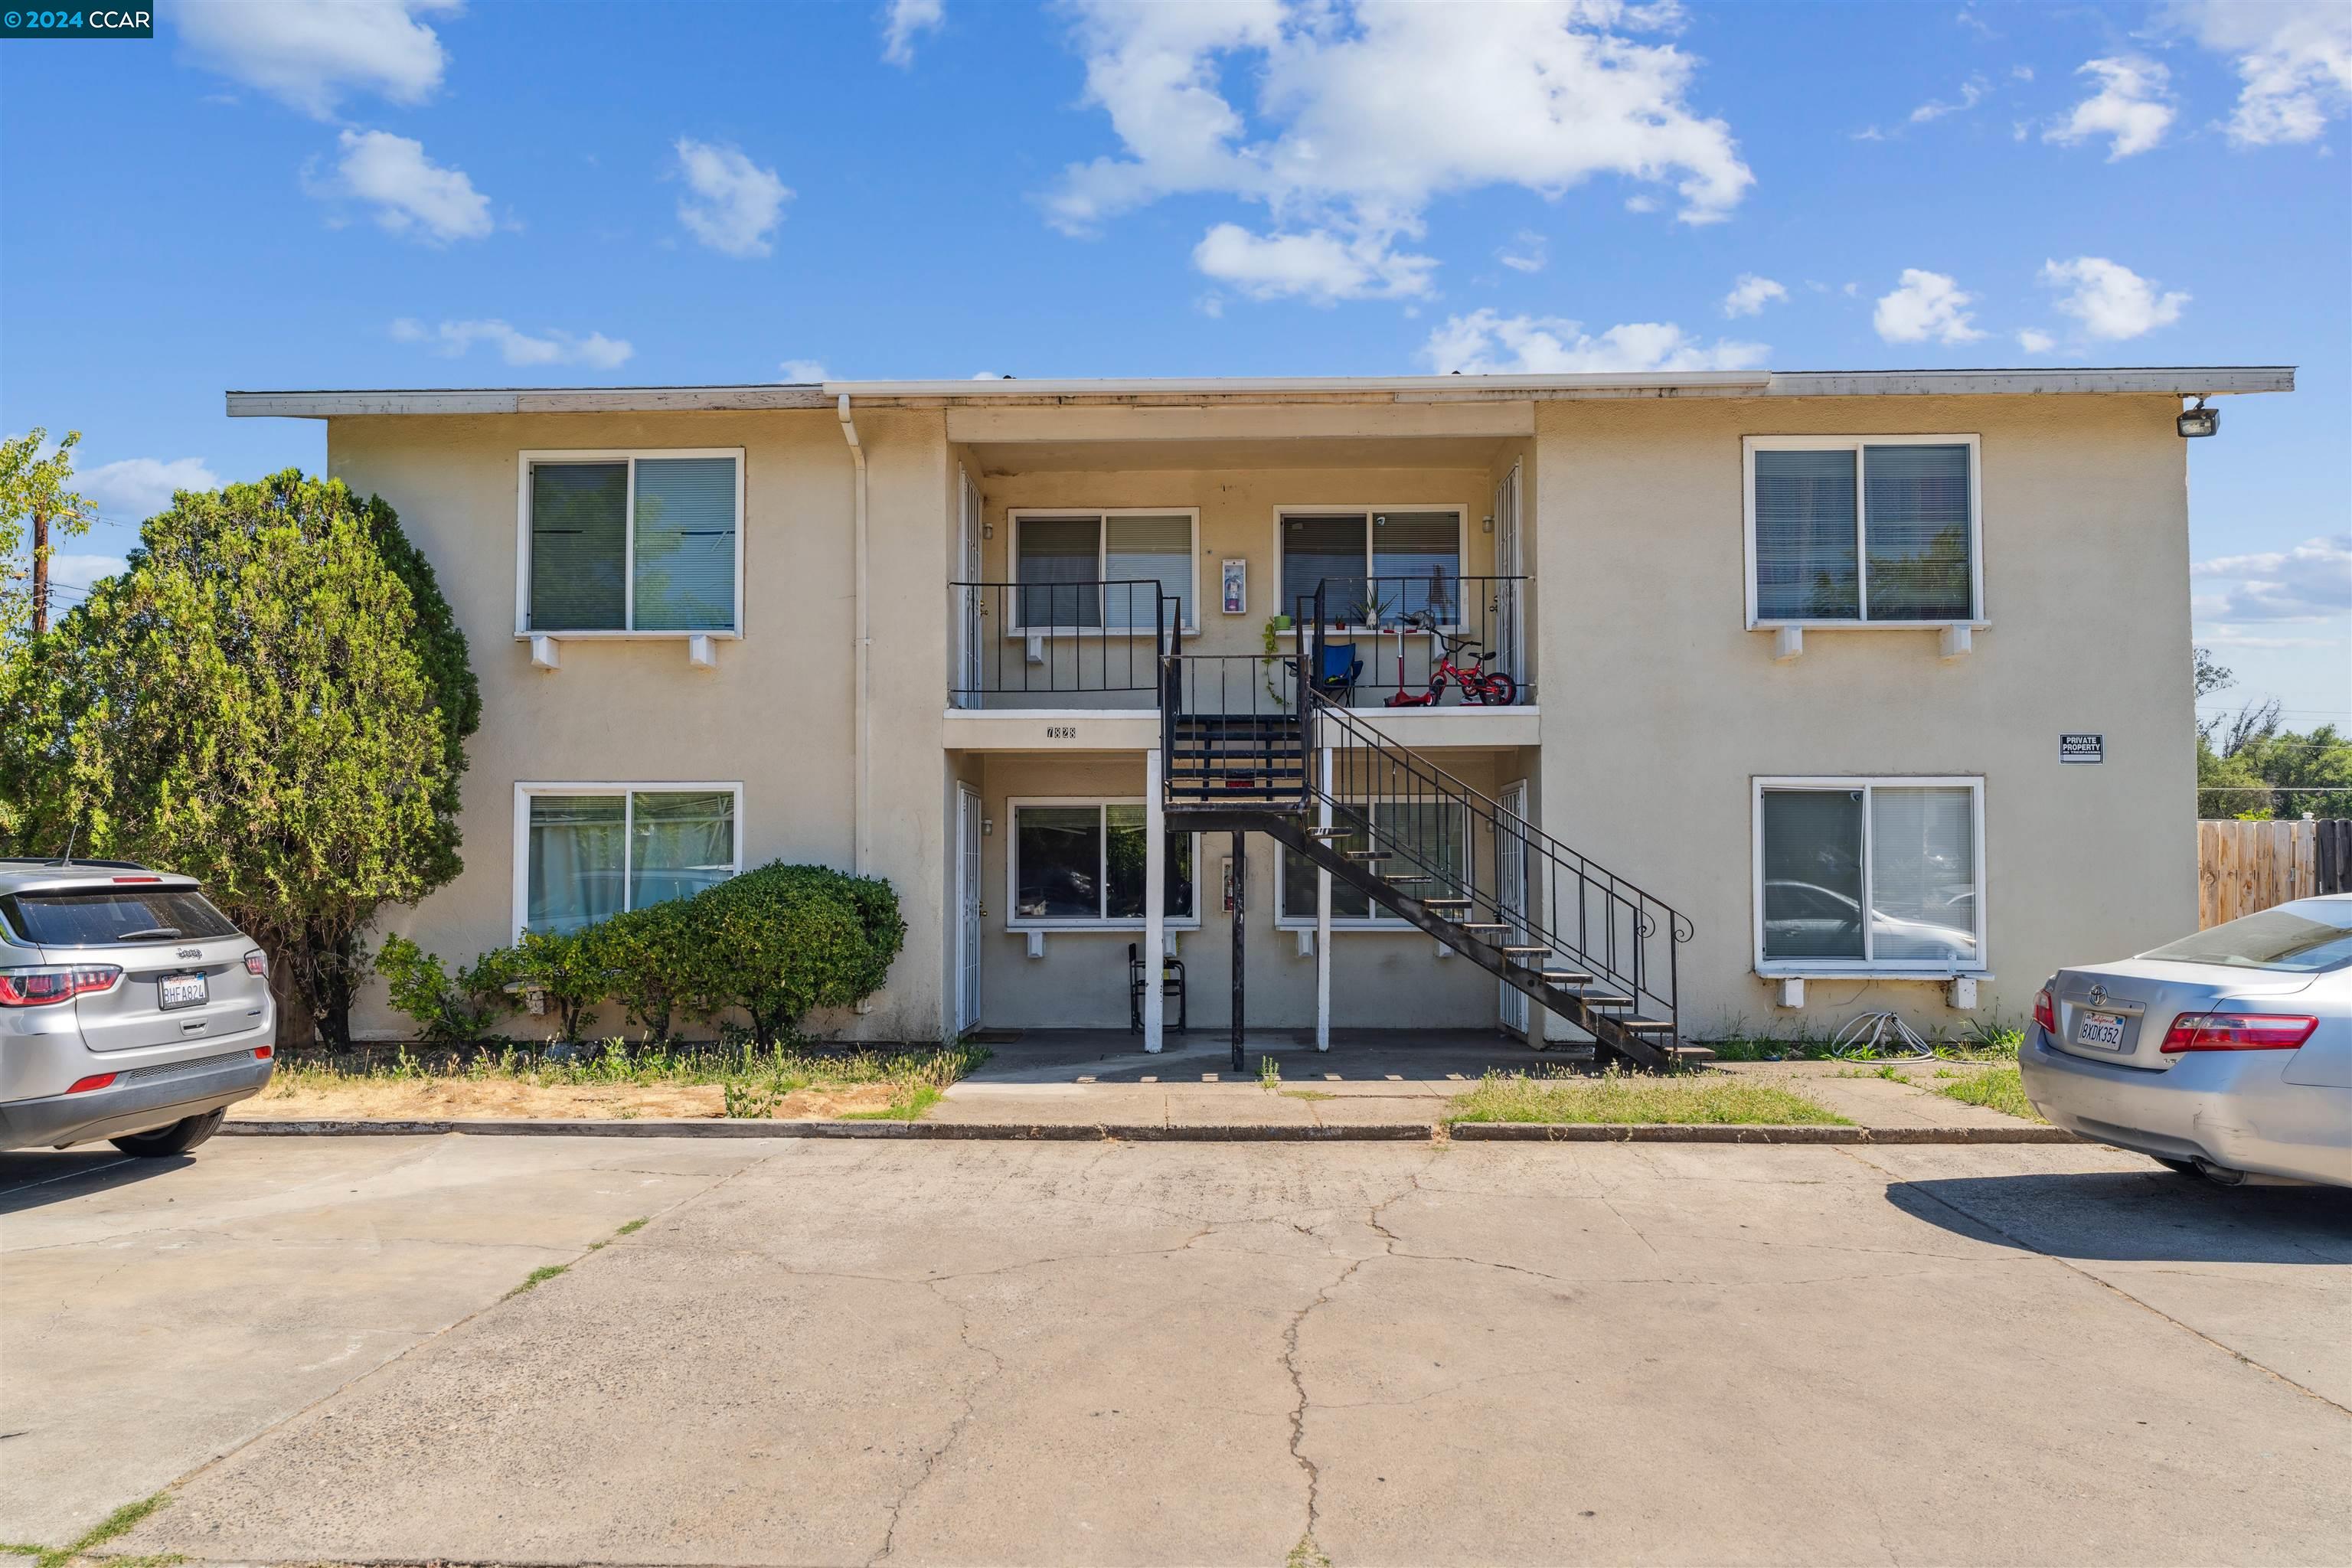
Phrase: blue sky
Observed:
(388, 192)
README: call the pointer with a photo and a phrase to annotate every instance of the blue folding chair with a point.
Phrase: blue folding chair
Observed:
(1337, 678)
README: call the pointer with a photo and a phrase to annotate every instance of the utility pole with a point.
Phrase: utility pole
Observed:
(40, 569)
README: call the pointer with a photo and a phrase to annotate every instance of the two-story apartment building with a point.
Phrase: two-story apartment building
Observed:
(1685, 701)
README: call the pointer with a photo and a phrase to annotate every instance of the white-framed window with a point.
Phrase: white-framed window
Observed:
(1062, 560)
(1079, 863)
(1869, 876)
(586, 851)
(1376, 564)
(1436, 831)
(1863, 531)
(630, 542)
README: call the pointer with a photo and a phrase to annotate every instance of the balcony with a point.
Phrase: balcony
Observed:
(1084, 643)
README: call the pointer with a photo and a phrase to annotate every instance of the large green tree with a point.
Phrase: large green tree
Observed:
(2247, 767)
(272, 697)
(36, 497)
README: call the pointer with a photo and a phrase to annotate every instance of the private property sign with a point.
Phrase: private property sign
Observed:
(2082, 748)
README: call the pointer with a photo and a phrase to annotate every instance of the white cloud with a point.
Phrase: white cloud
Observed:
(309, 53)
(1972, 92)
(1925, 305)
(1486, 343)
(1319, 266)
(2294, 57)
(804, 370)
(452, 340)
(74, 572)
(2130, 107)
(412, 195)
(1525, 254)
(2021, 73)
(137, 488)
(735, 204)
(2036, 341)
(907, 18)
(1366, 110)
(2112, 301)
(2311, 581)
(1752, 294)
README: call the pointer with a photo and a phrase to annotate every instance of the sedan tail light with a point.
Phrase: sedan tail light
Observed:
(2238, 1032)
(2044, 1013)
(41, 987)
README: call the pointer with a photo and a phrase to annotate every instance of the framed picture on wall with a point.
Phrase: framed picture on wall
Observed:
(1236, 581)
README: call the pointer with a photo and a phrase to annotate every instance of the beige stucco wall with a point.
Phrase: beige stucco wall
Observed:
(776, 714)
(1661, 709)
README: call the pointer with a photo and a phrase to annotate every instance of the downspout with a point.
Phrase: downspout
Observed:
(865, 712)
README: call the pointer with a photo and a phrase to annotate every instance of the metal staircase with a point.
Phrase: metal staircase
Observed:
(1243, 740)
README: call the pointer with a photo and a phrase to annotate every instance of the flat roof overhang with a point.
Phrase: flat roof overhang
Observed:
(2190, 381)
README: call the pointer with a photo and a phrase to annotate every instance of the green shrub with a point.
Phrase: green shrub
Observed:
(647, 957)
(564, 967)
(780, 940)
(445, 1010)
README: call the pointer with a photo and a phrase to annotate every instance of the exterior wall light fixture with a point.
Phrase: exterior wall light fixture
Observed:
(2198, 421)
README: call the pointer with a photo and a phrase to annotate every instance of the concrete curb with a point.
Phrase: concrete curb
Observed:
(1148, 1132)
(1619, 1132)
(948, 1131)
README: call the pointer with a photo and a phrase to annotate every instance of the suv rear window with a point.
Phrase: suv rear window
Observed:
(2303, 937)
(105, 915)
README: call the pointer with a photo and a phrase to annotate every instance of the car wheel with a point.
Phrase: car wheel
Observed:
(2178, 1167)
(178, 1139)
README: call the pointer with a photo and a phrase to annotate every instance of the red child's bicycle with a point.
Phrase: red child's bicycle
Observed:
(1493, 687)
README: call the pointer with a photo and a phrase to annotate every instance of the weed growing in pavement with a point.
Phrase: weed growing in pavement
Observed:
(1307, 1554)
(634, 1227)
(1996, 1089)
(1686, 1098)
(1269, 1074)
(119, 1522)
(539, 1277)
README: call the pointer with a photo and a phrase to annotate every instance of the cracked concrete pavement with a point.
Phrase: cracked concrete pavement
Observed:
(856, 1353)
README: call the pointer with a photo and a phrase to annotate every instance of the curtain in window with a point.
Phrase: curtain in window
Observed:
(1326, 550)
(686, 544)
(1147, 549)
(578, 539)
(1059, 849)
(576, 850)
(1805, 567)
(1812, 873)
(1916, 528)
(1923, 894)
(1417, 561)
(679, 845)
(1123, 848)
(1059, 568)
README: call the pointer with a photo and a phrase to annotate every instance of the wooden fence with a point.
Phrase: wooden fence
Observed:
(2243, 867)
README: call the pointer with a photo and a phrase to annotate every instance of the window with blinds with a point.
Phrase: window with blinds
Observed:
(1102, 571)
(1857, 874)
(1866, 530)
(1374, 567)
(631, 542)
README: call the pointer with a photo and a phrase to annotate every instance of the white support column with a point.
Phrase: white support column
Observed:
(1323, 911)
(1155, 899)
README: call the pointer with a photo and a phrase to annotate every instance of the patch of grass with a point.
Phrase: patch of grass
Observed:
(1683, 1099)
(1890, 1072)
(1307, 1554)
(907, 1104)
(120, 1522)
(539, 1277)
(634, 1227)
(1308, 1094)
(1996, 1089)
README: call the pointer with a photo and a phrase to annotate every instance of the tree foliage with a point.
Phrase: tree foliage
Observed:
(273, 697)
(2247, 767)
(31, 483)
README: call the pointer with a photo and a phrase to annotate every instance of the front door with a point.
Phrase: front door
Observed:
(967, 1005)
(1511, 889)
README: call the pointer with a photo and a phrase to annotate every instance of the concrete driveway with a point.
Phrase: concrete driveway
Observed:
(822, 1352)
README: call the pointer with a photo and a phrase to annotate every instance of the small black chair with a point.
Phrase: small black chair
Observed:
(1171, 984)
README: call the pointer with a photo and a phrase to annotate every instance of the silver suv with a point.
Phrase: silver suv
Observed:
(131, 1008)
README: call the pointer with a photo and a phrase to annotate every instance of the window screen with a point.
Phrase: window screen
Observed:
(1059, 569)
(1902, 893)
(1916, 529)
(679, 844)
(1417, 561)
(1805, 536)
(1329, 550)
(1148, 549)
(579, 537)
(685, 543)
(1812, 874)
(1923, 873)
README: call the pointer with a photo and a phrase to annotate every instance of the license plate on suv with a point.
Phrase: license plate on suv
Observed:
(183, 991)
(2099, 1031)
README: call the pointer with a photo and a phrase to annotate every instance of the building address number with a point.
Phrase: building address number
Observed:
(1061, 731)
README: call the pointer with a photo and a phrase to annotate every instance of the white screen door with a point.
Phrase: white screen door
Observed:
(969, 518)
(967, 1010)
(1511, 880)
(1508, 610)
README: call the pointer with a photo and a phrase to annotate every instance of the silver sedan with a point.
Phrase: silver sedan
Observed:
(2227, 1053)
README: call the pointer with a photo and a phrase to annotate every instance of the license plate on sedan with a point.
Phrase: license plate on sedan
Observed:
(183, 991)
(2100, 1031)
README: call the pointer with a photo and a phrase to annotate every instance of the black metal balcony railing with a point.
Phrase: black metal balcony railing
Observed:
(1031, 644)
(1386, 641)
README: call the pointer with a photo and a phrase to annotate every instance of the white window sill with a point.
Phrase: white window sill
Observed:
(725, 636)
(1936, 974)
(1955, 639)
(1089, 927)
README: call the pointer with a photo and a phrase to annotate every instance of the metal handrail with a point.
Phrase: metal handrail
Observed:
(1585, 913)
(1029, 639)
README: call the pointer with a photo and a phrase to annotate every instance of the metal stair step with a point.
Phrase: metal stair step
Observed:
(1602, 998)
(1643, 1025)
(1515, 950)
(1405, 877)
(1368, 855)
(1328, 833)
(1565, 977)
(1482, 925)
(1447, 904)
